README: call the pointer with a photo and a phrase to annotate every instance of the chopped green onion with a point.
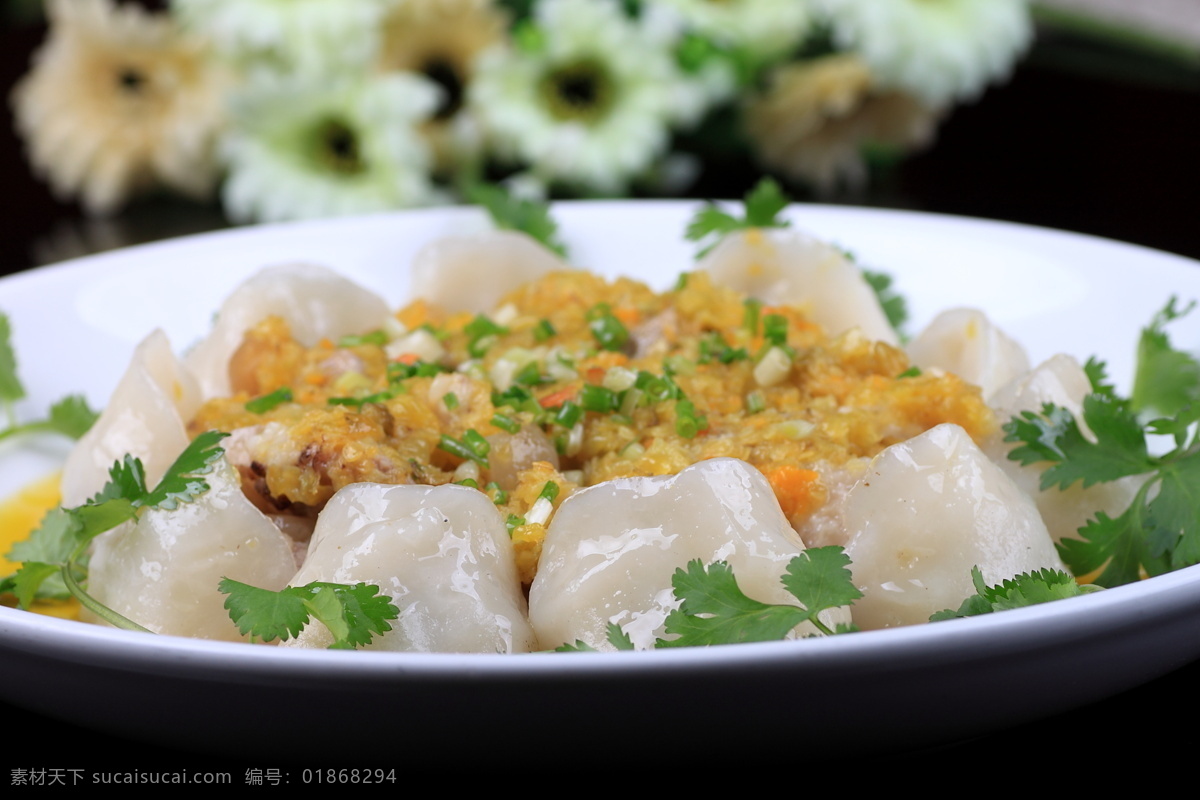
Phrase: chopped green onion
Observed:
(398, 371)
(597, 398)
(506, 423)
(687, 422)
(499, 496)
(756, 401)
(775, 329)
(911, 372)
(609, 332)
(543, 330)
(377, 337)
(482, 333)
(475, 440)
(473, 447)
(261, 405)
(358, 402)
(530, 375)
(549, 491)
(750, 316)
(469, 482)
(569, 414)
(450, 399)
(512, 523)
(681, 282)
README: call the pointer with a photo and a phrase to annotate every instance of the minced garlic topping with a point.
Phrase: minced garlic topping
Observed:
(571, 381)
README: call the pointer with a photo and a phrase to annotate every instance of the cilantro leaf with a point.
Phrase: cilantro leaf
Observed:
(761, 206)
(714, 610)
(1160, 529)
(61, 540)
(181, 483)
(11, 389)
(820, 579)
(1166, 380)
(1054, 436)
(894, 306)
(1026, 589)
(518, 214)
(354, 614)
(70, 416)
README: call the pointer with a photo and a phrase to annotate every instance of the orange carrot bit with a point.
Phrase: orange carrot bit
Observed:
(596, 374)
(315, 379)
(415, 314)
(627, 314)
(325, 344)
(557, 398)
(408, 359)
(794, 488)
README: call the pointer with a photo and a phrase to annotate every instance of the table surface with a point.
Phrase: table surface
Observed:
(1080, 139)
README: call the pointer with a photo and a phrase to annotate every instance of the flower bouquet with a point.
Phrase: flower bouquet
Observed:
(323, 107)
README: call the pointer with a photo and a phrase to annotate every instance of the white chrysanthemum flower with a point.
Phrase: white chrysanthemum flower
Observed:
(310, 34)
(119, 100)
(939, 50)
(442, 40)
(592, 105)
(766, 28)
(302, 148)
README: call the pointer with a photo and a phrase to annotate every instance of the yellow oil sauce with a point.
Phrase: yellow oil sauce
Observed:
(19, 515)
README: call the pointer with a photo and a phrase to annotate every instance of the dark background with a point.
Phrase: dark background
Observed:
(1082, 138)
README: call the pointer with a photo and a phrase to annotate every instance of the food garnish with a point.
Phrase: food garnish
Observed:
(69, 416)
(761, 210)
(513, 213)
(1160, 530)
(714, 610)
(1026, 589)
(353, 614)
(58, 546)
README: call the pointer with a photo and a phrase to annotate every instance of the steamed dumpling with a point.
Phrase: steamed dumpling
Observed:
(1059, 380)
(927, 511)
(316, 302)
(145, 418)
(611, 550)
(442, 553)
(472, 273)
(786, 266)
(162, 572)
(965, 342)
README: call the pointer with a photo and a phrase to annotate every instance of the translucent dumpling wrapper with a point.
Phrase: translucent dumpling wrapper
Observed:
(928, 511)
(315, 301)
(1059, 380)
(472, 273)
(612, 549)
(145, 417)
(784, 266)
(442, 553)
(965, 342)
(162, 572)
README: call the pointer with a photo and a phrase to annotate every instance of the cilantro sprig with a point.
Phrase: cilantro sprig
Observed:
(1166, 379)
(70, 416)
(1160, 530)
(518, 214)
(894, 305)
(354, 614)
(714, 610)
(57, 547)
(1026, 589)
(762, 205)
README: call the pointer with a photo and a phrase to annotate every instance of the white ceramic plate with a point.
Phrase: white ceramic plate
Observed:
(76, 323)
